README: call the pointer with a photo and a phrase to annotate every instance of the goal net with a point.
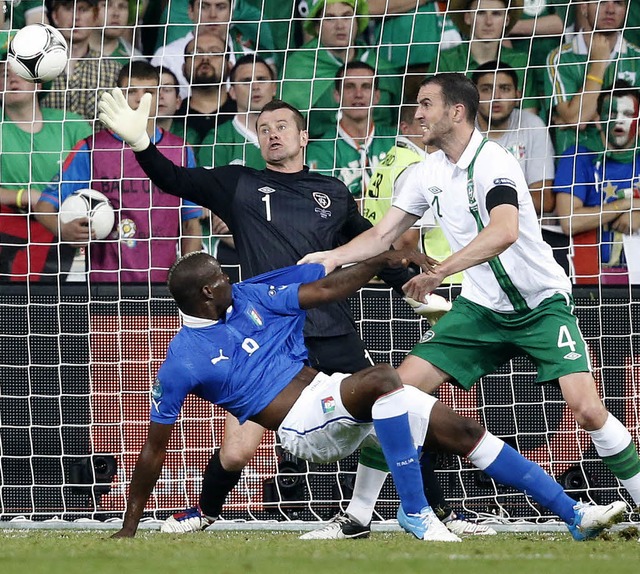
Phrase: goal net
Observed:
(77, 358)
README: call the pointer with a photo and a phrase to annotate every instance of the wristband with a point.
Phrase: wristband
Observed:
(595, 79)
(19, 197)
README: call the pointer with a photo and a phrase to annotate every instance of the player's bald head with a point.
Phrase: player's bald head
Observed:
(187, 277)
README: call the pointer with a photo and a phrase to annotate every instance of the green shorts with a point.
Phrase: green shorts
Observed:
(471, 341)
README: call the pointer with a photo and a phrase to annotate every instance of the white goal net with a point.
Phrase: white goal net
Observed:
(77, 357)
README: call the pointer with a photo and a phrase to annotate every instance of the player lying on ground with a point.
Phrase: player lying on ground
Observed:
(242, 347)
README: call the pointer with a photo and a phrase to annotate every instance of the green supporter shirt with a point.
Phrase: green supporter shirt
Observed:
(459, 59)
(246, 24)
(337, 154)
(231, 143)
(537, 48)
(410, 39)
(308, 84)
(35, 159)
(379, 195)
(565, 75)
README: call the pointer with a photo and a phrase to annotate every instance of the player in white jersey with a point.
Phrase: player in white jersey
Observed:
(515, 299)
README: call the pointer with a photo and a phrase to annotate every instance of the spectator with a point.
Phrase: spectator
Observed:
(409, 34)
(408, 150)
(597, 55)
(149, 222)
(253, 84)
(538, 31)
(169, 102)
(524, 135)
(209, 105)
(598, 194)
(309, 72)
(485, 23)
(108, 38)
(213, 18)
(87, 76)
(351, 151)
(34, 142)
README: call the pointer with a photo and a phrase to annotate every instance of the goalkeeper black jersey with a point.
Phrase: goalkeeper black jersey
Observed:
(275, 218)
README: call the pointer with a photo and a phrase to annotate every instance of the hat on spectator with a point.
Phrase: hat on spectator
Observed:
(458, 9)
(360, 7)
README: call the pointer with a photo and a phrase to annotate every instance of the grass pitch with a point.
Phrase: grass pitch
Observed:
(92, 552)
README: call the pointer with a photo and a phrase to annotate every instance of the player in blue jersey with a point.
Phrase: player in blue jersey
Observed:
(242, 347)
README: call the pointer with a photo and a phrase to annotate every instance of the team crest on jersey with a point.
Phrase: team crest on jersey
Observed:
(427, 336)
(328, 405)
(435, 190)
(255, 317)
(322, 199)
(266, 189)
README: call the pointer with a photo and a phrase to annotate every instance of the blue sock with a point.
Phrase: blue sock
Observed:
(394, 433)
(512, 469)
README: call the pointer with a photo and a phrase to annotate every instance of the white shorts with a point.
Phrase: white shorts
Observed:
(318, 428)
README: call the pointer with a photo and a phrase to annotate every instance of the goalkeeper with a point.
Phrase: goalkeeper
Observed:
(242, 347)
(515, 298)
(277, 216)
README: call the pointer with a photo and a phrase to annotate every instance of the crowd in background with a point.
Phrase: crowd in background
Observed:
(558, 83)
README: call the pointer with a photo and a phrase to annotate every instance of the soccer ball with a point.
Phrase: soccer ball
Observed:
(38, 53)
(92, 204)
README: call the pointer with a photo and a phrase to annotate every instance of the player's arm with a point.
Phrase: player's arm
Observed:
(498, 235)
(371, 242)
(145, 476)
(340, 284)
(207, 187)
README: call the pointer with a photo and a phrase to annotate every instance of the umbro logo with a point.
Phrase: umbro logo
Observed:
(572, 356)
(435, 190)
(266, 189)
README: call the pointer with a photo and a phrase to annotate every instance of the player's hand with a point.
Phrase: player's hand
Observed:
(599, 50)
(432, 308)
(323, 257)
(418, 287)
(403, 257)
(131, 125)
(76, 231)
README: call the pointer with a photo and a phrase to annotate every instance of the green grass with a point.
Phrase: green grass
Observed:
(89, 552)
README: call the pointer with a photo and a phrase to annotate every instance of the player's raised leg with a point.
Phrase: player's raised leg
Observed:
(465, 437)
(377, 393)
(220, 477)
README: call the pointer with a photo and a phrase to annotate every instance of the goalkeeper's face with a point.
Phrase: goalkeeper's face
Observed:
(281, 141)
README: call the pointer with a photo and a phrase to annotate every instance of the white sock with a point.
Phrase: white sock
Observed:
(366, 490)
(611, 440)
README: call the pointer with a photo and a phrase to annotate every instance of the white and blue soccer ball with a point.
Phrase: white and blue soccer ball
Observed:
(93, 205)
(38, 53)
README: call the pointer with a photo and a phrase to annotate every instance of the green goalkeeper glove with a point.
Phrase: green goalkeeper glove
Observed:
(131, 125)
(433, 307)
